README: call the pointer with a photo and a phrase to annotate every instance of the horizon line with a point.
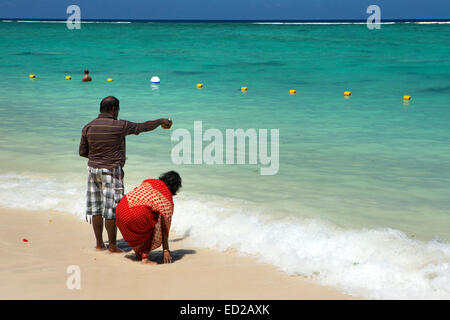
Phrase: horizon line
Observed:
(226, 20)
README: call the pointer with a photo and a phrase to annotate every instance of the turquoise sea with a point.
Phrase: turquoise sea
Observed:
(362, 196)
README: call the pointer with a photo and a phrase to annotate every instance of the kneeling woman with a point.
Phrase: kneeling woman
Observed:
(143, 216)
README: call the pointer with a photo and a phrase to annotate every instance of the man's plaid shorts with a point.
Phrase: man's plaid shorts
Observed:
(104, 191)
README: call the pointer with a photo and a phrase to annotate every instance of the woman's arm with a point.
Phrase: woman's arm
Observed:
(167, 258)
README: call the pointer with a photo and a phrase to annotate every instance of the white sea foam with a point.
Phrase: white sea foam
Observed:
(262, 22)
(433, 22)
(350, 22)
(40, 193)
(119, 22)
(307, 23)
(60, 21)
(378, 264)
(40, 21)
(318, 23)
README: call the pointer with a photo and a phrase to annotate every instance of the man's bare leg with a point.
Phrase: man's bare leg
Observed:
(97, 224)
(111, 228)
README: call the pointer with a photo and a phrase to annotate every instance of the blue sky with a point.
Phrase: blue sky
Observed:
(226, 9)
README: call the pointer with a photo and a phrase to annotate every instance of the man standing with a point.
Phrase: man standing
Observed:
(103, 143)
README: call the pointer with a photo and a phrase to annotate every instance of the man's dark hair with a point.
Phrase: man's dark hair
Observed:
(86, 71)
(108, 104)
(172, 180)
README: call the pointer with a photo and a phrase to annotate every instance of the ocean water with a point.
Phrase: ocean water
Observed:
(362, 196)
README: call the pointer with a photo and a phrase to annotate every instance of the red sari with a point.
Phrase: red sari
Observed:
(138, 215)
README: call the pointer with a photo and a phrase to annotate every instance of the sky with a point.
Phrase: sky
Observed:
(226, 9)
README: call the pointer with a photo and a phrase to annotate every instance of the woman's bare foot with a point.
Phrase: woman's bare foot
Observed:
(114, 249)
(149, 262)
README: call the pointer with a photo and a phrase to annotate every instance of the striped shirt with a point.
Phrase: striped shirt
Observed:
(103, 140)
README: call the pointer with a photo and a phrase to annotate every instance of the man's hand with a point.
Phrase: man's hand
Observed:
(167, 258)
(166, 123)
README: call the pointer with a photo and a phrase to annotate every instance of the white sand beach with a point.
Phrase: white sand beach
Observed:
(37, 269)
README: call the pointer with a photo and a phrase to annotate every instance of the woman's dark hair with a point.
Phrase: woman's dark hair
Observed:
(108, 104)
(172, 180)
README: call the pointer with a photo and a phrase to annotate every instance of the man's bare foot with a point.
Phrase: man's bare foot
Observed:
(100, 247)
(114, 249)
(149, 262)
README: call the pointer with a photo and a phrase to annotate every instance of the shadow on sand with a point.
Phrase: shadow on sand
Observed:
(156, 255)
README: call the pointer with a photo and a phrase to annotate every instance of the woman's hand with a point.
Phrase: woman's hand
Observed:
(167, 258)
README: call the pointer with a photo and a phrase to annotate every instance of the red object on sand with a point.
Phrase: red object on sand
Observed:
(24, 240)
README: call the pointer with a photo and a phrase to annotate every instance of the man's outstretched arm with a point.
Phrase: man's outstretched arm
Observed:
(136, 128)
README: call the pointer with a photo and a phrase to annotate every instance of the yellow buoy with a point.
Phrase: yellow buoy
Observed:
(68, 78)
(244, 89)
(109, 79)
(292, 91)
(406, 97)
(199, 85)
(32, 76)
(347, 93)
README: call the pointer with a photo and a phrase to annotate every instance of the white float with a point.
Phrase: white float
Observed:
(155, 79)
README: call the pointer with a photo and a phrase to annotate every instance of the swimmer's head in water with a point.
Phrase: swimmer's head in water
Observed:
(86, 71)
(110, 104)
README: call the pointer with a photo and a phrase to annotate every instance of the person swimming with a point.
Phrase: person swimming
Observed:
(86, 77)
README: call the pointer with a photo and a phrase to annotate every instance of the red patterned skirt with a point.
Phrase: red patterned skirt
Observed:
(136, 225)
